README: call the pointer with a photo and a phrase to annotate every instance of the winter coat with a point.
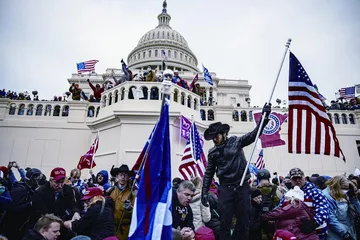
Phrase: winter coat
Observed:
(119, 197)
(288, 218)
(255, 221)
(75, 93)
(44, 202)
(315, 199)
(201, 214)
(97, 93)
(340, 220)
(97, 223)
(5, 200)
(228, 160)
(33, 235)
(214, 222)
(150, 77)
(105, 183)
(182, 216)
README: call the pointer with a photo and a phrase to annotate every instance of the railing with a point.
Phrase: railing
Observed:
(38, 108)
(130, 91)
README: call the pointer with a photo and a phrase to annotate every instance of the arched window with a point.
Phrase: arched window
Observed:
(189, 101)
(144, 95)
(176, 94)
(116, 96)
(156, 53)
(30, 110)
(163, 34)
(153, 35)
(168, 35)
(149, 53)
(235, 115)
(47, 110)
(56, 112)
(243, 116)
(65, 111)
(336, 118)
(177, 37)
(175, 54)
(21, 110)
(122, 90)
(250, 116)
(91, 111)
(39, 109)
(185, 58)
(103, 104)
(110, 99)
(210, 115)
(169, 54)
(181, 56)
(97, 111)
(173, 36)
(330, 117)
(158, 34)
(154, 93)
(12, 109)
(202, 114)
(131, 92)
(144, 54)
(195, 103)
(139, 56)
(351, 119)
(182, 98)
(344, 118)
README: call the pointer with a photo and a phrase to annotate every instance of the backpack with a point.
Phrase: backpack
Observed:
(21, 198)
(267, 200)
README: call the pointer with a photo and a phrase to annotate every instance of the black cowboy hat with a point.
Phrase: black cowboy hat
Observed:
(214, 129)
(122, 169)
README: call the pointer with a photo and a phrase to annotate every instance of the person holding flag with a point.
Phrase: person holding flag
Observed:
(227, 159)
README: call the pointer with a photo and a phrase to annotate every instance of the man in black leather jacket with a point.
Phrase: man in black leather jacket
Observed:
(227, 159)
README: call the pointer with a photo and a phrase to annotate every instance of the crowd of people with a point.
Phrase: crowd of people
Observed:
(352, 104)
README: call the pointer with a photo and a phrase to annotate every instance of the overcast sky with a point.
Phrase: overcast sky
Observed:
(42, 40)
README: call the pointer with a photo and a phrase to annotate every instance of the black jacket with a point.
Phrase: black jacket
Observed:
(96, 223)
(228, 160)
(255, 221)
(182, 216)
(214, 222)
(33, 235)
(44, 202)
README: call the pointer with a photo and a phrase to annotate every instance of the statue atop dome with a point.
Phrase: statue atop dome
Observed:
(164, 6)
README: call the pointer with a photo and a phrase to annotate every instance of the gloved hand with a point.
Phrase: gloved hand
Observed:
(308, 226)
(204, 201)
(347, 236)
(127, 205)
(266, 110)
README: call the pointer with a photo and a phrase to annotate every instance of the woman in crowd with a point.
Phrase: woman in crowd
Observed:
(201, 214)
(98, 221)
(343, 206)
(291, 214)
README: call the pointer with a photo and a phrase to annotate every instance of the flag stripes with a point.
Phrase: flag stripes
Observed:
(310, 130)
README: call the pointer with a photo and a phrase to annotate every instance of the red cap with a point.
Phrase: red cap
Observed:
(4, 170)
(58, 173)
(92, 192)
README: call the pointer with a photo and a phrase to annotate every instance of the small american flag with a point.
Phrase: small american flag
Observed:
(260, 163)
(347, 93)
(87, 66)
(193, 162)
(310, 130)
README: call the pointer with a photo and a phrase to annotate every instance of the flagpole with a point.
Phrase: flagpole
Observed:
(276, 167)
(287, 45)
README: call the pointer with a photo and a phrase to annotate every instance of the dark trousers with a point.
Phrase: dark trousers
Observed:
(234, 201)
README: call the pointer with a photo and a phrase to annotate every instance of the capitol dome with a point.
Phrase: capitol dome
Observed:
(161, 39)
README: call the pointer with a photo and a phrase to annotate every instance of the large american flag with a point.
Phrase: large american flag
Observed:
(193, 162)
(260, 163)
(348, 92)
(87, 66)
(310, 130)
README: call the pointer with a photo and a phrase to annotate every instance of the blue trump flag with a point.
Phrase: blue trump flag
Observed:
(207, 76)
(151, 218)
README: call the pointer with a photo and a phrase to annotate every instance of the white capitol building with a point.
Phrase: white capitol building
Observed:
(47, 134)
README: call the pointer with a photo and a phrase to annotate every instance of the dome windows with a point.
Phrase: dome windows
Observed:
(158, 34)
(149, 53)
(168, 35)
(163, 34)
(156, 53)
(144, 54)
(169, 53)
(175, 54)
(181, 56)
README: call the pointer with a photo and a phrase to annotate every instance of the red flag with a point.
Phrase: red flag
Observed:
(196, 78)
(87, 160)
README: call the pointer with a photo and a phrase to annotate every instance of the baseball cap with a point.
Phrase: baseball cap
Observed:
(296, 172)
(58, 173)
(92, 192)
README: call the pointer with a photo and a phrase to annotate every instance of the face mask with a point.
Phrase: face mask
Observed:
(344, 192)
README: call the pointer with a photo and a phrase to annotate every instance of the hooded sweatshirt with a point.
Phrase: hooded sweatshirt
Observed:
(105, 183)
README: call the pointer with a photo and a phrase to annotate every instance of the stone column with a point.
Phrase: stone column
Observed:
(207, 95)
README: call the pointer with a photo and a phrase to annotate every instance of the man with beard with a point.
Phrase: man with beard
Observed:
(227, 159)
